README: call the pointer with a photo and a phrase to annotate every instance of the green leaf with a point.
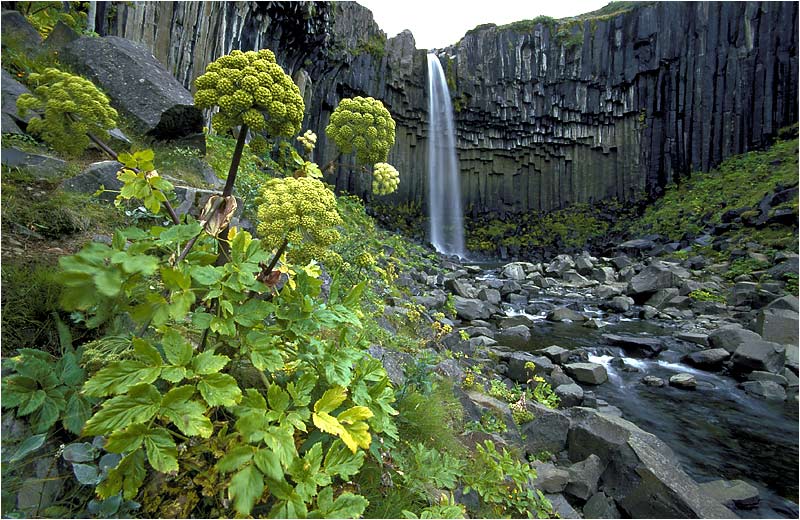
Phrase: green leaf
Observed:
(331, 399)
(145, 155)
(207, 275)
(121, 441)
(209, 363)
(264, 351)
(161, 450)
(280, 439)
(175, 280)
(341, 461)
(181, 304)
(138, 406)
(86, 474)
(300, 389)
(278, 398)
(245, 489)
(235, 459)
(127, 477)
(128, 160)
(346, 505)
(178, 234)
(108, 282)
(269, 463)
(147, 353)
(356, 413)
(71, 372)
(252, 312)
(44, 418)
(173, 374)
(79, 452)
(187, 414)
(77, 413)
(134, 263)
(177, 349)
(28, 446)
(219, 390)
(118, 377)
(32, 402)
(201, 320)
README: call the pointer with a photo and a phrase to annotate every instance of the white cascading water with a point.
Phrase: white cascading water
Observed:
(444, 186)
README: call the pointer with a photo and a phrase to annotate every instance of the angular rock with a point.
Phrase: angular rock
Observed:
(733, 493)
(519, 319)
(731, 337)
(560, 264)
(558, 377)
(590, 373)
(583, 264)
(767, 376)
(40, 166)
(710, 359)
(549, 478)
(778, 325)
(562, 507)
(758, 355)
(517, 370)
(10, 90)
(547, 431)
(683, 380)
(476, 404)
(604, 275)
(60, 37)
(575, 279)
(513, 271)
(607, 291)
(19, 33)
(651, 279)
(519, 334)
(450, 369)
(471, 309)
(555, 353)
(510, 287)
(767, 390)
(637, 246)
(489, 295)
(620, 303)
(642, 474)
(744, 293)
(621, 262)
(584, 477)
(660, 298)
(393, 362)
(636, 346)
(461, 288)
(569, 395)
(564, 314)
(693, 337)
(600, 506)
(155, 103)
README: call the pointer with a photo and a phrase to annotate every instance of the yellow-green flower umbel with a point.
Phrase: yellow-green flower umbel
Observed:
(362, 125)
(250, 88)
(385, 179)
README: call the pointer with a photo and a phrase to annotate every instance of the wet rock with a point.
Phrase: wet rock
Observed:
(600, 506)
(758, 355)
(607, 291)
(693, 337)
(562, 507)
(683, 380)
(590, 373)
(555, 354)
(653, 381)
(513, 321)
(471, 309)
(778, 325)
(767, 376)
(517, 299)
(620, 303)
(40, 166)
(767, 390)
(570, 395)
(549, 478)
(730, 337)
(461, 288)
(636, 346)
(710, 359)
(513, 271)
(517, 335)
(792, 380)
(547, 431)
(565, 314)
(584, 477)
(604, 275)
(648, 312)
(651, 279)
(510, 287)
(733, 493)
(595, 323)
(643, 475)
(489, 295)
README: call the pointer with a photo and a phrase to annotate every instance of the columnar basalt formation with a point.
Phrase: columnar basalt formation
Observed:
(548, 114)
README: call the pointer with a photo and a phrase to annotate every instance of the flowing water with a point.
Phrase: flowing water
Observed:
(716, 431)
(444, 186)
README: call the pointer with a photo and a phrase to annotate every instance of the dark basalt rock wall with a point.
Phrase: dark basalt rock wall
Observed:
(614, 106)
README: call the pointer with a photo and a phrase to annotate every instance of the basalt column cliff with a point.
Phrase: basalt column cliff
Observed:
(548, 113)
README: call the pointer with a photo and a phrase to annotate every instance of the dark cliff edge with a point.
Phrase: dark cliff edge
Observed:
(548, 114)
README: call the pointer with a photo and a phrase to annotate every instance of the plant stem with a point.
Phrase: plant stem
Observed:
(224, 246)
(277, 256)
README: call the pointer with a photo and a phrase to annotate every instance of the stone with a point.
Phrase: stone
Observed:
(569, 395)
(513, 321)
(636, 346)
(660, 298)
(481, 341)
(547, 431)
(461, 288)
(516, 335)
(710, 359)
(558, 377)
(476, 404)
(10, 90)
(778, 325)
(652, 278)
(471, 309)
(607, 291)
(43, 167)
(595, 324)
(490, 295)
(154, 102)
(565, 314)
(648, 312)
(620, 303)
(562, 507)
(574, 279)
(549, 478)
(789, 265)
(560, 264)
(433, 300)
(767, 390)
(516, 362)
(758, 355)
(60, 37)
(590, 373)
(584, 477)
(510, 287)
(393, 362)
(450, 369)
(638, 246)
(555, 353)
(583, 264)
(693, 337)
(519, 300)
(757, 375)
(683, 380)
(513, 271)
(621, 262)
(642, 473)
(733, 493)
(730, 337)
(792, 380)
(600, 506)
(19, 33)
(744, 293)
(653, 381)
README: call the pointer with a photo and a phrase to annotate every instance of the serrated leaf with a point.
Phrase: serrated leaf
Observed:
(280, 439)
(31, 402)
(252, 312)
(235, 459)
(356, 413)
(108, 282)
(139, 405)
(128, 160)
(174, 279)
(207, 274)
(300, 389)
(207, 363)
(176, 348)
(86, 474)
(46, 416)
(161, 450)
(269, 463)
(341, 461)
(77, 413)
(71, 373)
(346, 505)
(186, 414)
(264, 351)
(127, 477)
(178, 234)
(181, 304)
(331, 399)
(28, 446)
(121, 441)
(278, 398)
(219, 390)
(327, 423)
(173, 374)
(131, 263)
(118, 377)
(245, 489)
(147, 353)
(201, 320)
(79, 452)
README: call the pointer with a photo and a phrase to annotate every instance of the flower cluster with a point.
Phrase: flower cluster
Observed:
(308, 140)
(303, 211)
(72, 107)
(247, 86)
(362, 125)
(385, 179)
(365, 260)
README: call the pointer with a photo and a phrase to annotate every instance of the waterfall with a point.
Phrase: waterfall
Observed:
(444, 187)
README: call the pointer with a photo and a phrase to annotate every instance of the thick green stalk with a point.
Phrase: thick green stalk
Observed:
(224, 246)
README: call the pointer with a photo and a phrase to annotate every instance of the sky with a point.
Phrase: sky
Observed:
(439, 23)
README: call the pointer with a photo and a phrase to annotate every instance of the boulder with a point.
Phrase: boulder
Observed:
(768, 376)
(558, 377)
(560, 264)
(510, 287)
(744, 293)
(662, 297)
(604, 275)
(476, 404)
(561, 506)
(788, 265)
(42, 167)
(547, 431)
(636, 346)
(565, 314)
(460, 288)
(642, 473)
(710, 359)
(590, 373)
(433, 300)
(600, 506)
(767, 390)
(730, 337)
(733, 493)
(653, 381)
(61, 36)
(584, 264)
(549, 478)
(683, 380)
(471, 309)
(607, 291)
(154, 102)
(638, 246)
(584, 477)
(620, 303)
(20, 34)
(570, 395)
(758, 355)
(513, 271)
(515, 336)
(574, 279)
(489, 295)
(393, 362)
(516, 362)
(519, 300)
(652, 278)
(778, 325)
(621, 262)
(555, 354)
(693, 337)
(10, 90)
(513, 321)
